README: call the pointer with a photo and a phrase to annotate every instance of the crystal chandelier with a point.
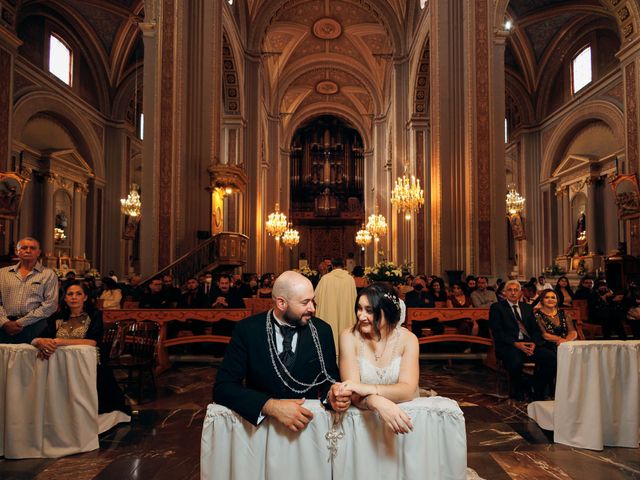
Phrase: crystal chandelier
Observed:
(407, 195)
(515, 202)
(291, 237)
(377, 225)
(131, 205)
(59, 234)
(276, 223)
(363, 237)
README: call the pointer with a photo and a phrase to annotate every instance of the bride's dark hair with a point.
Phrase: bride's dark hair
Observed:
(383, 299)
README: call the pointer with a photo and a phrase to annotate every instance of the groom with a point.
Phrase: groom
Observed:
(278, 358)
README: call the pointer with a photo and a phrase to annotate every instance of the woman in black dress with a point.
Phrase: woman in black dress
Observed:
(78, 323)
(556, 326)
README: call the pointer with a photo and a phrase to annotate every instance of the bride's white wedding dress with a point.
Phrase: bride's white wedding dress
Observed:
(390, 374)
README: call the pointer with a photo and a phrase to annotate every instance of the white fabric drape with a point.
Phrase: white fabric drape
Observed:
(48, 408)
(234, 449)
(598, 394)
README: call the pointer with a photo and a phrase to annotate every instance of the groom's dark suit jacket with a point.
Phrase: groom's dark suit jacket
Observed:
(247, 379)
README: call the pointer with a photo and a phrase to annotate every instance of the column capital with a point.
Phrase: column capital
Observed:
(81, 188)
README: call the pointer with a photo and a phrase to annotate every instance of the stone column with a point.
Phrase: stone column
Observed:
(566, 218)
(559, 223)
(531, 156)
(255, 204)
(451, 167)
(78, 253)
(48, 214)
(149, 188)
(9, 43)
(591, 215)
(399, 228)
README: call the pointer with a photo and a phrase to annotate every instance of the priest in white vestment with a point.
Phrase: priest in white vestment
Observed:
(336, 299)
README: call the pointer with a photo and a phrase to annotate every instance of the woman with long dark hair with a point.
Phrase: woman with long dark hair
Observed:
(79, 323)
(379, 358)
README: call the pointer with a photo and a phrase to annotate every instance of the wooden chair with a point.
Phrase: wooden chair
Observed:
(138, 348)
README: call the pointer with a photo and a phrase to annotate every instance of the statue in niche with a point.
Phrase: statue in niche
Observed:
(517, 227)
(326, 205)
(581, 235)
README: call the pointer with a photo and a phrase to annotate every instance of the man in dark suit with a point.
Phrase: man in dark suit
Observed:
(277, 358)
(226, 296)
(517, 340)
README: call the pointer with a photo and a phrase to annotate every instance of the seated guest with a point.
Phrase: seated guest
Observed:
(132, 291)
(406, 287)
(565, 294)
(265, 287)
(471, 284)
(517, 340)
(243, 288)
(359, 278)
(420, 297)
(556, 325)
(529, 294)
(632, 308)
(606, 309)
(278, 358)
(379, 358)
(585, 288)
(111, 295)
(226, 296)
(458, 299)
(154, 298)
(482, 297)
(78, 323)
(192, 297)
(170, 291)
(542, 284)
(437, 290)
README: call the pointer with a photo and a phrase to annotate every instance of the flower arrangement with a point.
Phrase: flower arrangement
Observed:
(554, 270)
(93, 273)
(308, 272)
(384, 271)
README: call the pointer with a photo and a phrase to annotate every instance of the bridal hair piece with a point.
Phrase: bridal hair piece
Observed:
(393, 298)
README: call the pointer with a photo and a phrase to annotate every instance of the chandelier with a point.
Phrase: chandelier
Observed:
(131, 205)
(363, 237)
(515, 202)
(291, 237)
(407, 195)
(377, 225)
(59, 234)
(276, 223)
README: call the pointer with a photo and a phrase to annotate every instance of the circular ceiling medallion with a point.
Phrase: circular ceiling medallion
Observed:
(327, 87)
(327, 29)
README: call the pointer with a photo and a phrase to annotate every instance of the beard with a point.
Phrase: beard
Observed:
(294, 320)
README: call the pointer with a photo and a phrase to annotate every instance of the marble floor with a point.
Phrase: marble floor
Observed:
(163, 440)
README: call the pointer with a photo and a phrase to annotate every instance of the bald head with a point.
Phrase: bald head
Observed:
(289, 283)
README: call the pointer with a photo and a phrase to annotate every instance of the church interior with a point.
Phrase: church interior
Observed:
(496, 138)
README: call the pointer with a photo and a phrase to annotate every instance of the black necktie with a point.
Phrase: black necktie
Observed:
(519, 320)
(287, 356)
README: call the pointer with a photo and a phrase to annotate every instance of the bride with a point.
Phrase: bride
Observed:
(379, 358)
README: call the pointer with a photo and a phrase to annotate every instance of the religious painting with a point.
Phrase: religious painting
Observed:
(217, 211)
(12, 188)
(517, 227)
(627, 194)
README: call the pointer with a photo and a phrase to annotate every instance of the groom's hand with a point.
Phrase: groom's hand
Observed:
(289, 412)
(339, 397)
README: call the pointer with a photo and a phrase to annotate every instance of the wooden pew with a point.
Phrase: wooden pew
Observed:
(446, 315)
(258, 305)
(164, 316)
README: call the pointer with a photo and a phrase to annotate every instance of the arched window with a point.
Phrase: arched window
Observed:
(60, 59)
(141, 126)
(581, 69)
